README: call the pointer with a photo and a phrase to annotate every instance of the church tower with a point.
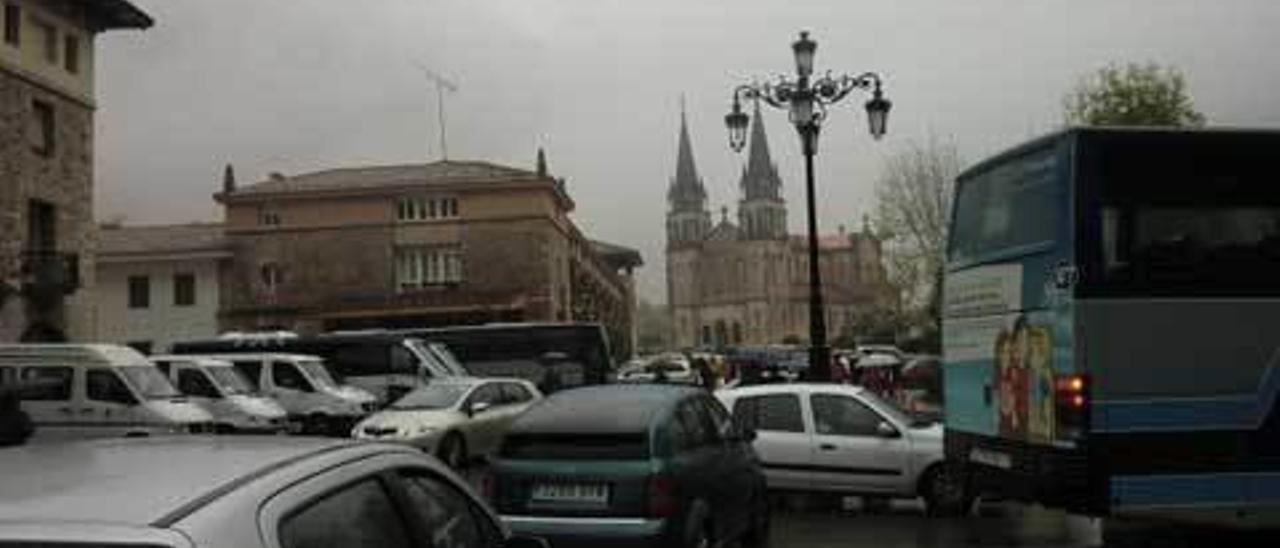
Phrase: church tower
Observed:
(762, 213)
(688, 219)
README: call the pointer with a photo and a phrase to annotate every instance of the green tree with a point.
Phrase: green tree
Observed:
(1132, 95)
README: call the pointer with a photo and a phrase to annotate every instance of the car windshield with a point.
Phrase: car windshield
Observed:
(896, 413)
(318, 373)
(229, 380)
(432, 396)
(441, 351)
(149, 382)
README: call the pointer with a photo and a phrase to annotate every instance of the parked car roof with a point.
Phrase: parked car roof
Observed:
(62, 354)
(603, 409)
(791, 387)
(139, 481)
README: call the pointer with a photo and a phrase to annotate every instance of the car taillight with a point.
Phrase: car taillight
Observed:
(663, 501)
(1071, 404)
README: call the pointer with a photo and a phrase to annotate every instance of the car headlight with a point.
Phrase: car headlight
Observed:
(424, 430)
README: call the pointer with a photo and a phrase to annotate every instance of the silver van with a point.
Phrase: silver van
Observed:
(225, 393)
(303, 386)
(96, 390)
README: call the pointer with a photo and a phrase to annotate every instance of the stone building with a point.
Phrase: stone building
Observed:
(47, 74)
(159, 284)
(747, 282)
(422, 245)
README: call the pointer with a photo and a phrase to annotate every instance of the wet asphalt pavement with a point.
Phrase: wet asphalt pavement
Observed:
(904, 525)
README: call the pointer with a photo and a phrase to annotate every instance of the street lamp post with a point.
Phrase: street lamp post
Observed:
(807, 98)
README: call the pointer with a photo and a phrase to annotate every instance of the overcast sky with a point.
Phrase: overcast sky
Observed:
(300, 85)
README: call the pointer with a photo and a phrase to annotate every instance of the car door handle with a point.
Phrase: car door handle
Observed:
(64, 410)
(827, 447)
(86, 410)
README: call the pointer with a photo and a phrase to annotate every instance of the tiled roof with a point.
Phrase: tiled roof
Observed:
(161, 239)
(831, 242)
(117, 14)
(617, 255)
(374, 177)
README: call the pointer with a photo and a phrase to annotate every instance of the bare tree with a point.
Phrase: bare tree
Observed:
(913, 205)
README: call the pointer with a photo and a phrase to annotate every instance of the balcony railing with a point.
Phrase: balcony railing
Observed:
(50, 273)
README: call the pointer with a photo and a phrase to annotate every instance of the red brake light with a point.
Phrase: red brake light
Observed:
(662, 499)
(1072, 409)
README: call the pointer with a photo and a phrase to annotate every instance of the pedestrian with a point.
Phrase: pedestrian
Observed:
(705, 376)
(15, 424)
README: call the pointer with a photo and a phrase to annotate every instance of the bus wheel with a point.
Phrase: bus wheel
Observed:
(944, 493)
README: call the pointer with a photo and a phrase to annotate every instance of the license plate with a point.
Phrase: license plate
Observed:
(990, 458)
(588, 493)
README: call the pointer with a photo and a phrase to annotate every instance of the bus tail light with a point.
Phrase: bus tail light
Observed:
(1071, 397)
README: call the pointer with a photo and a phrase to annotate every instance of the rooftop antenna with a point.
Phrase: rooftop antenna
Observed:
(442, 85)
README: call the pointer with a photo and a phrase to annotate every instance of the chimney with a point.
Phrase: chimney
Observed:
(229, 179)
(542, 163)
(276, 176)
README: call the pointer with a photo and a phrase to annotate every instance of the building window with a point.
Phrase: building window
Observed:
(272, 277)
(268, 216)
(418, 267)
(71, 60)
(42, 128)
(184, 289)
(422, 209)
(49, 36)
(12, 25)
(139, 292)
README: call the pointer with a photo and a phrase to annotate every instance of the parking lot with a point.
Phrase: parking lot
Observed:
(905, 525)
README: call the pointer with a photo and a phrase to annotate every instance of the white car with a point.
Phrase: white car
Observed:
(843, 439)
(457, 418)
(674, 368)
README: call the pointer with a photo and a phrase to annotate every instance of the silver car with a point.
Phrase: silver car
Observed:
(457, 418)
(240, 492)
(844, 439)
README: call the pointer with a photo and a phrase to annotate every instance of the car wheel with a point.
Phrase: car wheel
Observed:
(699, 536)
(453, 451)
(944, 494)
(757, 535)
(316, 425)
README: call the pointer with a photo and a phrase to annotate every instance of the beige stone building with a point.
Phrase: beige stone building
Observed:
(747, 283)
(423, 245)
(47, 75)
(159, 284)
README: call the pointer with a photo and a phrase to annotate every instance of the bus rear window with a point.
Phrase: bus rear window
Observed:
(1012, 206)
(1183, 216)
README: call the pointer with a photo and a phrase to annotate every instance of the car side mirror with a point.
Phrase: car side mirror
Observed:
(525, 542)
(747, 435)
(479, 407)
(886, 430)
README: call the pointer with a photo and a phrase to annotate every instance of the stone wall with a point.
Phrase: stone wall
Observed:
(65, 179)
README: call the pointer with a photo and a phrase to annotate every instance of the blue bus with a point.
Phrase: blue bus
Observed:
(1111, 325)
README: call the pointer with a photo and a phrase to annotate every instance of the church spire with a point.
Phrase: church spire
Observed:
(760, 180)
(686, 191)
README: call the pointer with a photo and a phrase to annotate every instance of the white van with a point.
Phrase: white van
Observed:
(225, 393)
(96, 390)
(304, 388)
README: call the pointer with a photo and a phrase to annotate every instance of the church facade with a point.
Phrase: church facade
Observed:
(745, 280)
